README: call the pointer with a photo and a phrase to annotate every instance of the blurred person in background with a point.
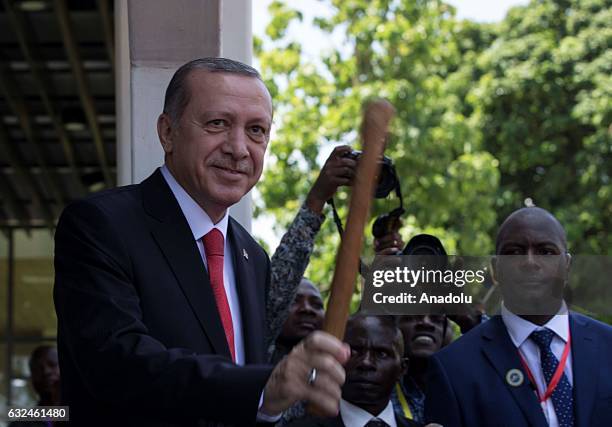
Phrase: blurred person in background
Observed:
(45, 377)
(45, 374)
(423, 336)
(306, 315)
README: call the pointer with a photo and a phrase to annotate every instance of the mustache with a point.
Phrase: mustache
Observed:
(242, 166)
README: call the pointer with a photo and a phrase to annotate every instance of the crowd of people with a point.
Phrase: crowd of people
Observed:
(169, 313)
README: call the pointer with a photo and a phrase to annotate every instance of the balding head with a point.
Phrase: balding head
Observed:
(532, 263)
(531, 218)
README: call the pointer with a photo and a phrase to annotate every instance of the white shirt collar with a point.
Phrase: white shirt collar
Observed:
(198, 220)
(354, 416)
(520, 329)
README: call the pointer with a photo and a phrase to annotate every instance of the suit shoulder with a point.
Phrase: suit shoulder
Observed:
(111, 201)
(468, 343)
(597, 326)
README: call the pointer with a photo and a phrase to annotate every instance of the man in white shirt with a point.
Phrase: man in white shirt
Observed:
(160, 295)
(537, 364)
(520, 331)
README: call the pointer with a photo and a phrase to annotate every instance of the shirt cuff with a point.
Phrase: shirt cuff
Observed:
(263, 417)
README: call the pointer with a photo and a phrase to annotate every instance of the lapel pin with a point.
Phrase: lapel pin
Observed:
(515, 377)
(245, 254)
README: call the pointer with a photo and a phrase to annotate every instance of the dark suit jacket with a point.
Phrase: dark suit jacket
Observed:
(139, 336)
(337, 422)
(466, 383)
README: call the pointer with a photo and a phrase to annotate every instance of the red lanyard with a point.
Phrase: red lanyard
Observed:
(556, 377)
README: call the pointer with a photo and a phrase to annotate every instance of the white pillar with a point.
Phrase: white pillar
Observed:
(154, 38)
(123, 101)
(237, 44)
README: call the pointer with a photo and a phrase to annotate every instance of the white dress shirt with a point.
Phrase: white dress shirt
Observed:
(354, 416)
(520, 329)
(200, 224)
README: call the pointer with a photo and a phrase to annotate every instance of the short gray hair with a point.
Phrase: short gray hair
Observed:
(177, 93)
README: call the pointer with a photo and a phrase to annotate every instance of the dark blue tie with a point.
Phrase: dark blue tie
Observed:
(562, 396)
(375, 422)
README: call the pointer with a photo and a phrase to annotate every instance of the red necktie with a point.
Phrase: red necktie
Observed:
(213, 245)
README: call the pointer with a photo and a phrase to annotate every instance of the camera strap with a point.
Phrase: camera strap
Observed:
(362, 265)
(397, 212)
(398, 192)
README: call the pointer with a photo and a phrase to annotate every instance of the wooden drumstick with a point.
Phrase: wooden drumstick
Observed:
(376, 120)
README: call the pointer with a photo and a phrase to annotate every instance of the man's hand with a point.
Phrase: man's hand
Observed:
(338, 170)
(290, 383)
(391, 243)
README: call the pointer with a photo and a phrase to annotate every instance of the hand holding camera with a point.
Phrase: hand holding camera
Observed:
(339, 169)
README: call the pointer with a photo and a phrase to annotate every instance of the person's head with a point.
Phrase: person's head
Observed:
(376, 361)
(532, 262)
(215, 129)
(44, 369)
(423, 334)
(306, 314)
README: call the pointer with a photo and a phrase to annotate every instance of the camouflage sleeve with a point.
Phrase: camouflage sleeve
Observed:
(287, 268)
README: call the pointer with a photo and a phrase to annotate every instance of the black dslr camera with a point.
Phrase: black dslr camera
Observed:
(387, 182)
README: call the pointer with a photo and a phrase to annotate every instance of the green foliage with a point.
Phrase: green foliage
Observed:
(542, 106)
(281, 18)
(487, 116)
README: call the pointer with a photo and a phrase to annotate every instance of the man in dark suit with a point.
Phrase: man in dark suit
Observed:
(160, 295)
(376, 364)
(537, 364)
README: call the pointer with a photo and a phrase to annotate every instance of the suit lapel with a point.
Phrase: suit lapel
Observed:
(250, 296)
(503, 355)
(175, 240)
(584, 368)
